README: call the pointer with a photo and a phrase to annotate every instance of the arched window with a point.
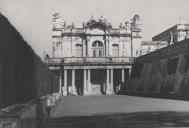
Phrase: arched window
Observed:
(98, 49)
(115, 50)
(79, 51)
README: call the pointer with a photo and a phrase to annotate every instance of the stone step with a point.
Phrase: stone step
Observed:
(96, 89)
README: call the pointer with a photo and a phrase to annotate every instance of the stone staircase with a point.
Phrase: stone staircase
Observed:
(96, 89)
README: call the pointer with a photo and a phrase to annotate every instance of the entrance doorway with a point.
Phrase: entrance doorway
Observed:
(98, 81)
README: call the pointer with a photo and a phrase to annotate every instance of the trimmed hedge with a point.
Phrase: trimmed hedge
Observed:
(23, 75)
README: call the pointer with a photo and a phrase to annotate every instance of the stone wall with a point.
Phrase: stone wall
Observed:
(165, 70)
(23, 75)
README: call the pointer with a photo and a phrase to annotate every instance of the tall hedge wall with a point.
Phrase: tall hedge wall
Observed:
(23, 75)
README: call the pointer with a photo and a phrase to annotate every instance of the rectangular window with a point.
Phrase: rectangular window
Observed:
(94, 53)
(100, 53)
(79, 51)
(123, 45)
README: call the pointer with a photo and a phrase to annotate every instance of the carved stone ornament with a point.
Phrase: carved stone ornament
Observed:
(57, 21)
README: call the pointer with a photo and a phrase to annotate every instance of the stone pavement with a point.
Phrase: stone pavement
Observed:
(119, 111)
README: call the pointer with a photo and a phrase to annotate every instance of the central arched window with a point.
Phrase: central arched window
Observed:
(98, 49)
(115, 50)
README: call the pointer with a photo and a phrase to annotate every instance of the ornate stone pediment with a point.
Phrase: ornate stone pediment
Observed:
(100, 24)
(97, 28)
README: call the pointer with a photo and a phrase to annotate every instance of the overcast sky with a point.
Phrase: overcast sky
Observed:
(32, 18)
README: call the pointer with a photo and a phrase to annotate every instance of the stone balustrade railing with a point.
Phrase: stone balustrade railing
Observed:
(80, 31)
(29, 115)
(68, 60)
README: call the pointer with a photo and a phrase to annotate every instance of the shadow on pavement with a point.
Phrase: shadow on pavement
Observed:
(161, 119)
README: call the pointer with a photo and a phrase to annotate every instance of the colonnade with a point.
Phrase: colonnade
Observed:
(87, 88)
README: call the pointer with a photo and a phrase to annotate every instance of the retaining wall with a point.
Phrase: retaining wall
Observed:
(165, 70)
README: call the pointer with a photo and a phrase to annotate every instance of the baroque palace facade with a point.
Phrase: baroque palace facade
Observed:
(95, 58)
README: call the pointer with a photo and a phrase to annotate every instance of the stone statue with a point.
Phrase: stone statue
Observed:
(127, 25)
(105, 21)
(92, 17)
(57, 21)
(72, 25)
(83, 24)
(135, 22)
(64, 24)
(110, 25)
(121, 26)
(101, 19)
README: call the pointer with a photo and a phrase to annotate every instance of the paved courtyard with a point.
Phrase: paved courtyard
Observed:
(119, 111)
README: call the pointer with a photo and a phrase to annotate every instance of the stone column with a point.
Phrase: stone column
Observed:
(89, 82)
(60, 82)
(105, 48)
(73, 82)
(87, 52)
(84, 48)
(85, 83)
(71, 46)
(108, 47)
(131, 44)
(107, 83)
(65, 83)
(129, 73)
(112, 80)
(122, 75)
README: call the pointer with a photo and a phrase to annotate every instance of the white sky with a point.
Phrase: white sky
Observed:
(32, 18)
